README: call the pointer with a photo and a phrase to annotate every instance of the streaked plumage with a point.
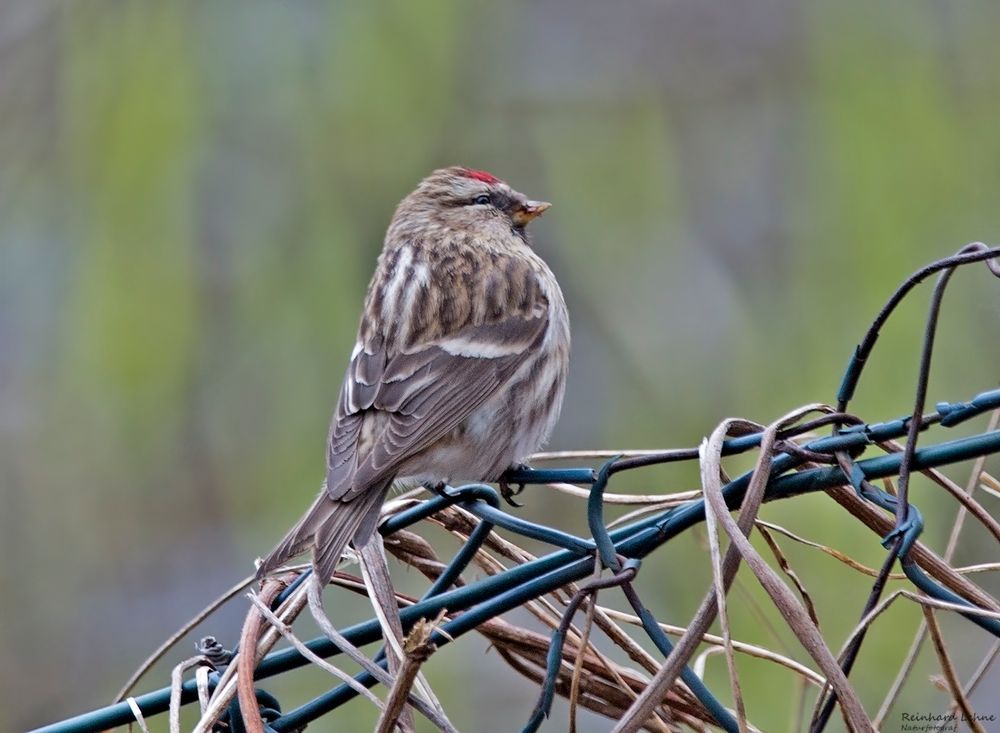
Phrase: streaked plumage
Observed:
(460, 363)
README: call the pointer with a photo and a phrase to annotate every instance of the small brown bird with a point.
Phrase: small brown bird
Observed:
(460, 363)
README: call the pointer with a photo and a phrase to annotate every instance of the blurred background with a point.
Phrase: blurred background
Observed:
(192, 197)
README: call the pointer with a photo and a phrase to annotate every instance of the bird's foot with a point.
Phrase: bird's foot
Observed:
(506, 490)
(439, 487)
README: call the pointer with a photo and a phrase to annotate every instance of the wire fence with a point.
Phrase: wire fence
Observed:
(664, 693)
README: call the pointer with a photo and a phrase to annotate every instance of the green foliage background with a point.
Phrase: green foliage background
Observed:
(192, 196)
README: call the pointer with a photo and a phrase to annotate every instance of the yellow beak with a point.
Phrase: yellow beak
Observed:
(531, 210)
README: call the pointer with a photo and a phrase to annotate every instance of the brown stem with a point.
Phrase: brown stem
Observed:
(417, 648)
(247, 658)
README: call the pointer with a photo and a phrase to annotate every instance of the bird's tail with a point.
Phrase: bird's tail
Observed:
(326, 529)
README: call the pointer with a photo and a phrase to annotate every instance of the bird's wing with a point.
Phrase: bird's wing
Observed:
(412, 399)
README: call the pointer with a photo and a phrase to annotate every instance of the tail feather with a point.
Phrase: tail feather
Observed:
(327, 528)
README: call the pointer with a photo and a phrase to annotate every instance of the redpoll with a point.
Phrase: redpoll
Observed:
(460, 363)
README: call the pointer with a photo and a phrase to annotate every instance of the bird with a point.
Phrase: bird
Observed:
(460, 364)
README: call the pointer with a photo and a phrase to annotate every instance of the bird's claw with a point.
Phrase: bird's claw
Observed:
(508, 492)
(440, 488)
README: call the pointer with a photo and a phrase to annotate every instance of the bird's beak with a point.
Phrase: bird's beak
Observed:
(531, 210)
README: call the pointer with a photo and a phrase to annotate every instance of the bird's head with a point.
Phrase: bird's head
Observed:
(462, 199)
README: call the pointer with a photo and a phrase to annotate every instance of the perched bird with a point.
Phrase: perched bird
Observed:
(460, 364)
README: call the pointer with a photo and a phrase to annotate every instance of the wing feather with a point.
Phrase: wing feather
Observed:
(405, 390)
(424, 395)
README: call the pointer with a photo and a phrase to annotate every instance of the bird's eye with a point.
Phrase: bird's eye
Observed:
(481, 199)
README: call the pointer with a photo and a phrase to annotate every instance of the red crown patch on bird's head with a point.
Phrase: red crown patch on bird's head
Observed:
(481, 176)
